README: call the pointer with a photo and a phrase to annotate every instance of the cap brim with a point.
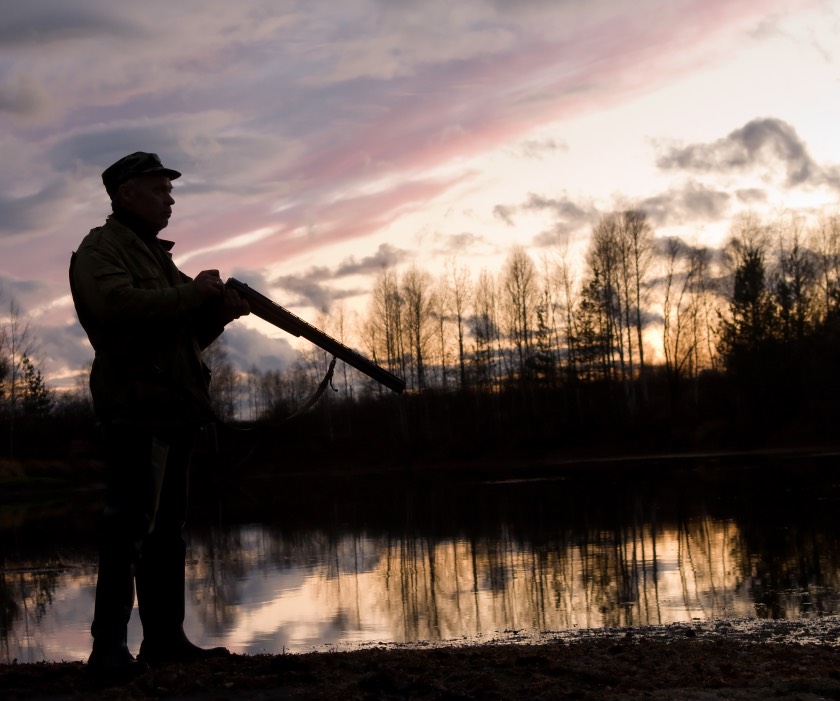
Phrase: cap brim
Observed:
(168, 172)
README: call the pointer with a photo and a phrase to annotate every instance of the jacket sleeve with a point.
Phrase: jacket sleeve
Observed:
(113, 293)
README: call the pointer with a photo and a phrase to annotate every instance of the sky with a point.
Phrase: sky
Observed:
(321, 141)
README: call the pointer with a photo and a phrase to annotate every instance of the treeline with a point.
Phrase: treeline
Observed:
(28, 406)
(634, 328)
(656, 340)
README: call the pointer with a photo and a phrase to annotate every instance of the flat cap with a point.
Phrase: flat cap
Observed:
(138, 163)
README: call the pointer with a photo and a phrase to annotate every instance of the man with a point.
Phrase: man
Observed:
(148, 323)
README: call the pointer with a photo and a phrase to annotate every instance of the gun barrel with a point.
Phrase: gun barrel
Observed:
(276, 315)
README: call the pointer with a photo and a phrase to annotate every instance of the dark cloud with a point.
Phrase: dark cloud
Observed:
(760, 142)
(307, 288)
(64, 346)
(310, 290)
(249, 347)
(27, 293)
(36, 24)
(22, 98)
(386, 256)
(458, 243)
(700, 202)
(97, 148)
(235, 165)
(555, 236)
(693, 201)
(563, 209)
(538, 148)
(253, 278)
(35, 212)
(505, 213)
(668, 245)
(569, 216)
(832, 176)
(751, 196)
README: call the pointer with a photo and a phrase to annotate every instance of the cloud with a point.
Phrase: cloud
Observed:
(248, 347)
(310, 290)
(563, 209)
(455, 244)
(751, 195)
(325, 127)
(64, 347)
(568, 216)
(34, 212)
(505, 213)
(539, 148)
(310, 286)
(759, 143)
(26, 293)
(23, 97)
(386, 256)
(693, 201)
(54, 20)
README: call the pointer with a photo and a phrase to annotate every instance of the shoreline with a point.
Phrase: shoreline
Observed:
(741, 660)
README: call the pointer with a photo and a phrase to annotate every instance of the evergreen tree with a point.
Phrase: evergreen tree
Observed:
(37, 399)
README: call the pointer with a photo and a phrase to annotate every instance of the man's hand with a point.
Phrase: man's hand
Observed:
(211, 287)
(233, 306)
(209, 284)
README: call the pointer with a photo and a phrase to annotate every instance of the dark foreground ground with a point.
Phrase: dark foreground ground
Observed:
(722, 660)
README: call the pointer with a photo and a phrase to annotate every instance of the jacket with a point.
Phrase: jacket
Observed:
(147, 324)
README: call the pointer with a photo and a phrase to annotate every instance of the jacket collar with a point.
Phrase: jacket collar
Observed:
(147, 235)
(126, 232)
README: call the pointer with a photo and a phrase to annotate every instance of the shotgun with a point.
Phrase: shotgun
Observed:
(276, 315)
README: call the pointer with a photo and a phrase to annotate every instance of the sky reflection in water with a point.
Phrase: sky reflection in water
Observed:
(533, 557)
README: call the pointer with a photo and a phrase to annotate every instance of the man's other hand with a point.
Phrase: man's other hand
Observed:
(233, 306)
(209, 284)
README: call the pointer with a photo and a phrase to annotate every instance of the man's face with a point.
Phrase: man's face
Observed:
(149, 198)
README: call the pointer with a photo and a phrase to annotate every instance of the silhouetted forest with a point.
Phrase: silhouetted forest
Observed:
(637, 343)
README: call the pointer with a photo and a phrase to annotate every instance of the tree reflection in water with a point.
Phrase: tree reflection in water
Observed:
(387, 560)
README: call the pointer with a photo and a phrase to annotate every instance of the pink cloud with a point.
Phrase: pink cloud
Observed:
(343, 220)
(462, 111)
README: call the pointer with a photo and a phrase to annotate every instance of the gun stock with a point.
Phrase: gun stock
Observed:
(282, 318)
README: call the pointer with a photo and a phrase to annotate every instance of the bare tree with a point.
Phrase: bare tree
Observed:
(605, 261)
(460, 296)
(417, 296)
(224, 385)
(750, 322)
(824, 240)
(485, 332)
(440, 312)
(341, 335)
(638, 237)
(519, 281)
(678, 313)
(794, 282)
(546, 357)
(566, 283)
(18, 343)
(383, 329)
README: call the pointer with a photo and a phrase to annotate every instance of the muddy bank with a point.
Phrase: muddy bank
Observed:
(733, 660)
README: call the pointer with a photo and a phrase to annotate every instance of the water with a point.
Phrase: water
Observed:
(368, 561)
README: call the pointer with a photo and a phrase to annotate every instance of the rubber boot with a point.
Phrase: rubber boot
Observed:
(110, 656)
(160, 597)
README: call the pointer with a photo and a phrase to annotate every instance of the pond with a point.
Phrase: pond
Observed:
(343, 561)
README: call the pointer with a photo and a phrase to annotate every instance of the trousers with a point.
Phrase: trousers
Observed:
(141, 543)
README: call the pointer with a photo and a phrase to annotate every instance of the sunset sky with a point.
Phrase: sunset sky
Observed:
(320, 140)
